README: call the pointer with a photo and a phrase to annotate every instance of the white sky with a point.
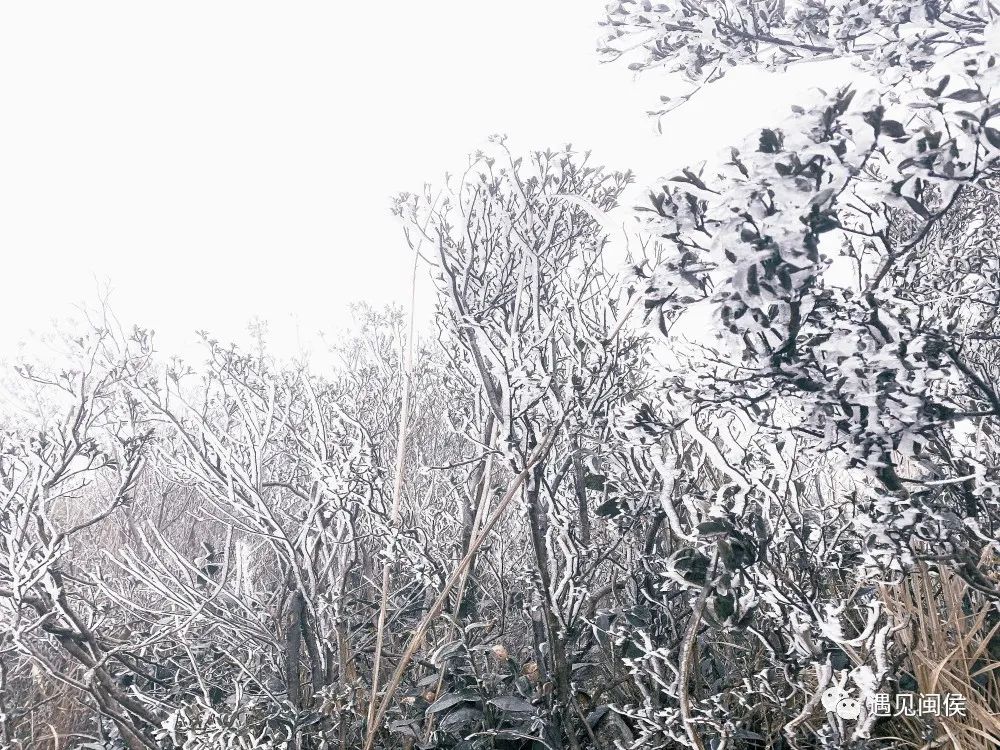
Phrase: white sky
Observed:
(216, 161)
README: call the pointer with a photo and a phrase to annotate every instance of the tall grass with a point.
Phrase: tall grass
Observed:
(945, 644)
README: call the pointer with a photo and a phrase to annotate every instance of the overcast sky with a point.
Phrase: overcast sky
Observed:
(215, 161)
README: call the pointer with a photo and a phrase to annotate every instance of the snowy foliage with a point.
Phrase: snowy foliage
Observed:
(698, 502)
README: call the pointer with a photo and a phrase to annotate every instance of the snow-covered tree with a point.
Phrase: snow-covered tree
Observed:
(845, 260)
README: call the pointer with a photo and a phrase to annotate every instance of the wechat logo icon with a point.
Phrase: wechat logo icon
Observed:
(838, 700)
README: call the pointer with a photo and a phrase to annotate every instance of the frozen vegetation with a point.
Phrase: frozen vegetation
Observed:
(723, 495)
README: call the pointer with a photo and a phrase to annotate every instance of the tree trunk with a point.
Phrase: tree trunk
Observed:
(560, 667)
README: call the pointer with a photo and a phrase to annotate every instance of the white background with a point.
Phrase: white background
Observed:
(209, 162)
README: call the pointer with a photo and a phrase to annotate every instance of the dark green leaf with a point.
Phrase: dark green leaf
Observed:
(967, 95)
(714, 526)
(511, 704)
(917, 206)
(448, 700)
(463, 717)
(893, 129)
(770, 141)
(608, 509)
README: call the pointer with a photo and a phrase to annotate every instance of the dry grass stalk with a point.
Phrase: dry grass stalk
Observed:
(946, 644)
